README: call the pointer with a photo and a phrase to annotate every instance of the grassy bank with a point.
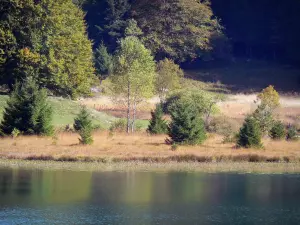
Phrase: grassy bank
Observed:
(119, 147)
(221, 167)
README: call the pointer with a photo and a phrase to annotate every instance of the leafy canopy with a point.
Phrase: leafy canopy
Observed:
(168, 78)
(177, 29)
(47, 38)
(269, 97)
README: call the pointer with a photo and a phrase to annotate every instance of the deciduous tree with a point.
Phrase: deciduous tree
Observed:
(134, 75)
(168, 78)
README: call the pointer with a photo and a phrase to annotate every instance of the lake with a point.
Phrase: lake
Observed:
(31, 196)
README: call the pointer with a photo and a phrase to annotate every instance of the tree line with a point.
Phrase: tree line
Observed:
(255, 29)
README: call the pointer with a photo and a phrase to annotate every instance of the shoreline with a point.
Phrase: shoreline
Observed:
(138, 166)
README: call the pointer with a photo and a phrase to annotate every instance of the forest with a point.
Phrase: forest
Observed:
(261, 29)
(66, 45)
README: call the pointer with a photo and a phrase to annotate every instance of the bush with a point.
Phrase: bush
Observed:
(157, 124)
(27, 111)
(223, 125)
(187, 127)
(119, 125)
(292, 133)
(277, 132)
(250, 134)
(83, 125)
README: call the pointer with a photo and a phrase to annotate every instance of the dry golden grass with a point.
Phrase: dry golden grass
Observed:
(141, 147)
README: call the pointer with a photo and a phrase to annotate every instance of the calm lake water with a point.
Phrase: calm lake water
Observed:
(70, 197)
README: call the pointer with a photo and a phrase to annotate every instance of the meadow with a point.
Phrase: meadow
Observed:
(141, 147)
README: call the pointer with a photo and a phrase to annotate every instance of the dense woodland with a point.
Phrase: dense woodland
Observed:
(66, 45)
(263, 29)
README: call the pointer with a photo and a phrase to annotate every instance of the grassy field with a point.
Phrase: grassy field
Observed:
(142, 147)
(65, 110)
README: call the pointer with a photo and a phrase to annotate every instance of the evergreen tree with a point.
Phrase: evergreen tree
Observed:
(277, 131)
(292, 133)
(103, 61)
(157, 124)
(250, 134)
(27, 110)
(83, 125)
(187, 126)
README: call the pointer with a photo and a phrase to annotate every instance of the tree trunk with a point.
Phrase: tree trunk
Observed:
(134, 117)
(128, 107)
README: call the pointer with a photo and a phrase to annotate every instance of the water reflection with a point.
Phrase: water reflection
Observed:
(66, 197)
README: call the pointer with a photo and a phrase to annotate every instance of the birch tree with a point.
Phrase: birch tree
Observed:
(133, 77)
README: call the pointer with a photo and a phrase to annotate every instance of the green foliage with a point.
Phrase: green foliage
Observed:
(177, 29)
(205, 102)
(292, 133)
(250, 134)
(157, 124)
(187, 126)
(115, 21)
(27, 110)
(118, 125)
(83, 125)
(168, 78)
(278, 132)
(133, 29)
(134, 75)
(47, 40)
(264, 116)
(269, 97)
(103, 61)
(15, 133)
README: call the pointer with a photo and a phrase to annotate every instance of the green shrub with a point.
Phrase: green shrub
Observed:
(223, 125)
(119, 125)
(187, 127)
(250, 134)
(27, 110)
(157, 124)
(83, 125)
(15, 133)
(292, 133)
(277, 132)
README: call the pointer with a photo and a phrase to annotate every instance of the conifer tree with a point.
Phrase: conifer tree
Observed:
(187, 126)
(250, 134)
(103, 61)
(83, 125)
(157, 124)
(277, 131)
(27, 110)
